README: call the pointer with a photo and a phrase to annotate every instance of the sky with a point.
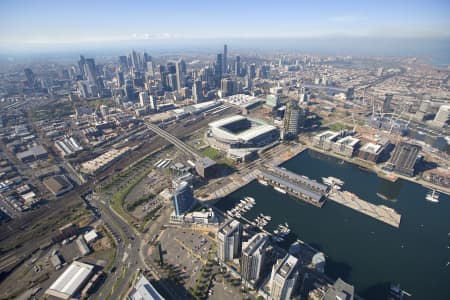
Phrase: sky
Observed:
(45, 23)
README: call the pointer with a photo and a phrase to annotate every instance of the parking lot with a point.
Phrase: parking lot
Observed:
(187, 250)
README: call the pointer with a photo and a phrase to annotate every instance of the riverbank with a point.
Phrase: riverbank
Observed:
(370, 167)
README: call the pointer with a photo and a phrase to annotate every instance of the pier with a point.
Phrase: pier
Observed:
(293, 187)
(380, 212)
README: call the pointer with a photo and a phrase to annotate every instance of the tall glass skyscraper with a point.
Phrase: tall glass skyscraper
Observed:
(183, 197)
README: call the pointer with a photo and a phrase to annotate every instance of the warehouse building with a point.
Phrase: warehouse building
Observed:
(71, 281)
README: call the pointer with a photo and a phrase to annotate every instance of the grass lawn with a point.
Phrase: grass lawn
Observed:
(212, 153)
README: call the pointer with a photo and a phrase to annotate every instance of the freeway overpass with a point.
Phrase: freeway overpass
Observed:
(174, 140)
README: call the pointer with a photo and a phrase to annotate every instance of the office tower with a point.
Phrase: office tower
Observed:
(183, 197)
(146, 58)
(224, 64)
(136, 60)
(229, 240)
(180, 74)
(83, 89)
(172, 82)
(251, 71)
(171, 68)
(380, 71)
(150, 68)
(31, 80)
(89, 70)
(284, 278)
(294, 118)
(197, 94)
(129, 91)
(228, 87)
(387, 102)
(253, 257)
(237, 66)
(120, 79)
(442, 116)
(143, 99)
(207, 75)
(153, 103)
(404, 158)
(218, 70)
(123, 63)
(350, 94)
(81, 63)
(264, 72)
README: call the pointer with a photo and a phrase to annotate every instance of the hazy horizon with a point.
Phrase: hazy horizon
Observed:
(58, 25)
(436, 50)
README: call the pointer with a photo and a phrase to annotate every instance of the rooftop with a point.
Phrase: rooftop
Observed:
(372, 148)
(228, 227)
(295, 187)
(348, 141)
(287, 265)
(302, 179)
(144, 290)
(69, 282)
(57, 183)
(328, 135)
(206, 162)
(255, 243)
(340, 290)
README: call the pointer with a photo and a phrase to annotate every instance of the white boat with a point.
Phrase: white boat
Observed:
(263, 182)
(268, 218)
(238, 215)
(276, 231)
(331, 181)
(279, 190)
(432, 196)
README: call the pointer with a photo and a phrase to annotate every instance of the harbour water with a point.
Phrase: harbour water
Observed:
(363, 251)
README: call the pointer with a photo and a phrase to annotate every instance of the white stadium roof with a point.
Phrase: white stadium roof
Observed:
(224, 121)
(69, 282)
(254, 132)
(246, 135)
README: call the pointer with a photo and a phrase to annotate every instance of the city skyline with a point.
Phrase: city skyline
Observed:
(55, 23)
(224, 150)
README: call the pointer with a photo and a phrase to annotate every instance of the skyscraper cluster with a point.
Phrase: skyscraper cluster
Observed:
(254, 259)
(138, 79)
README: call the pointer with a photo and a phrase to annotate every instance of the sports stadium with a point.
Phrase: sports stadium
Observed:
(241, 136)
